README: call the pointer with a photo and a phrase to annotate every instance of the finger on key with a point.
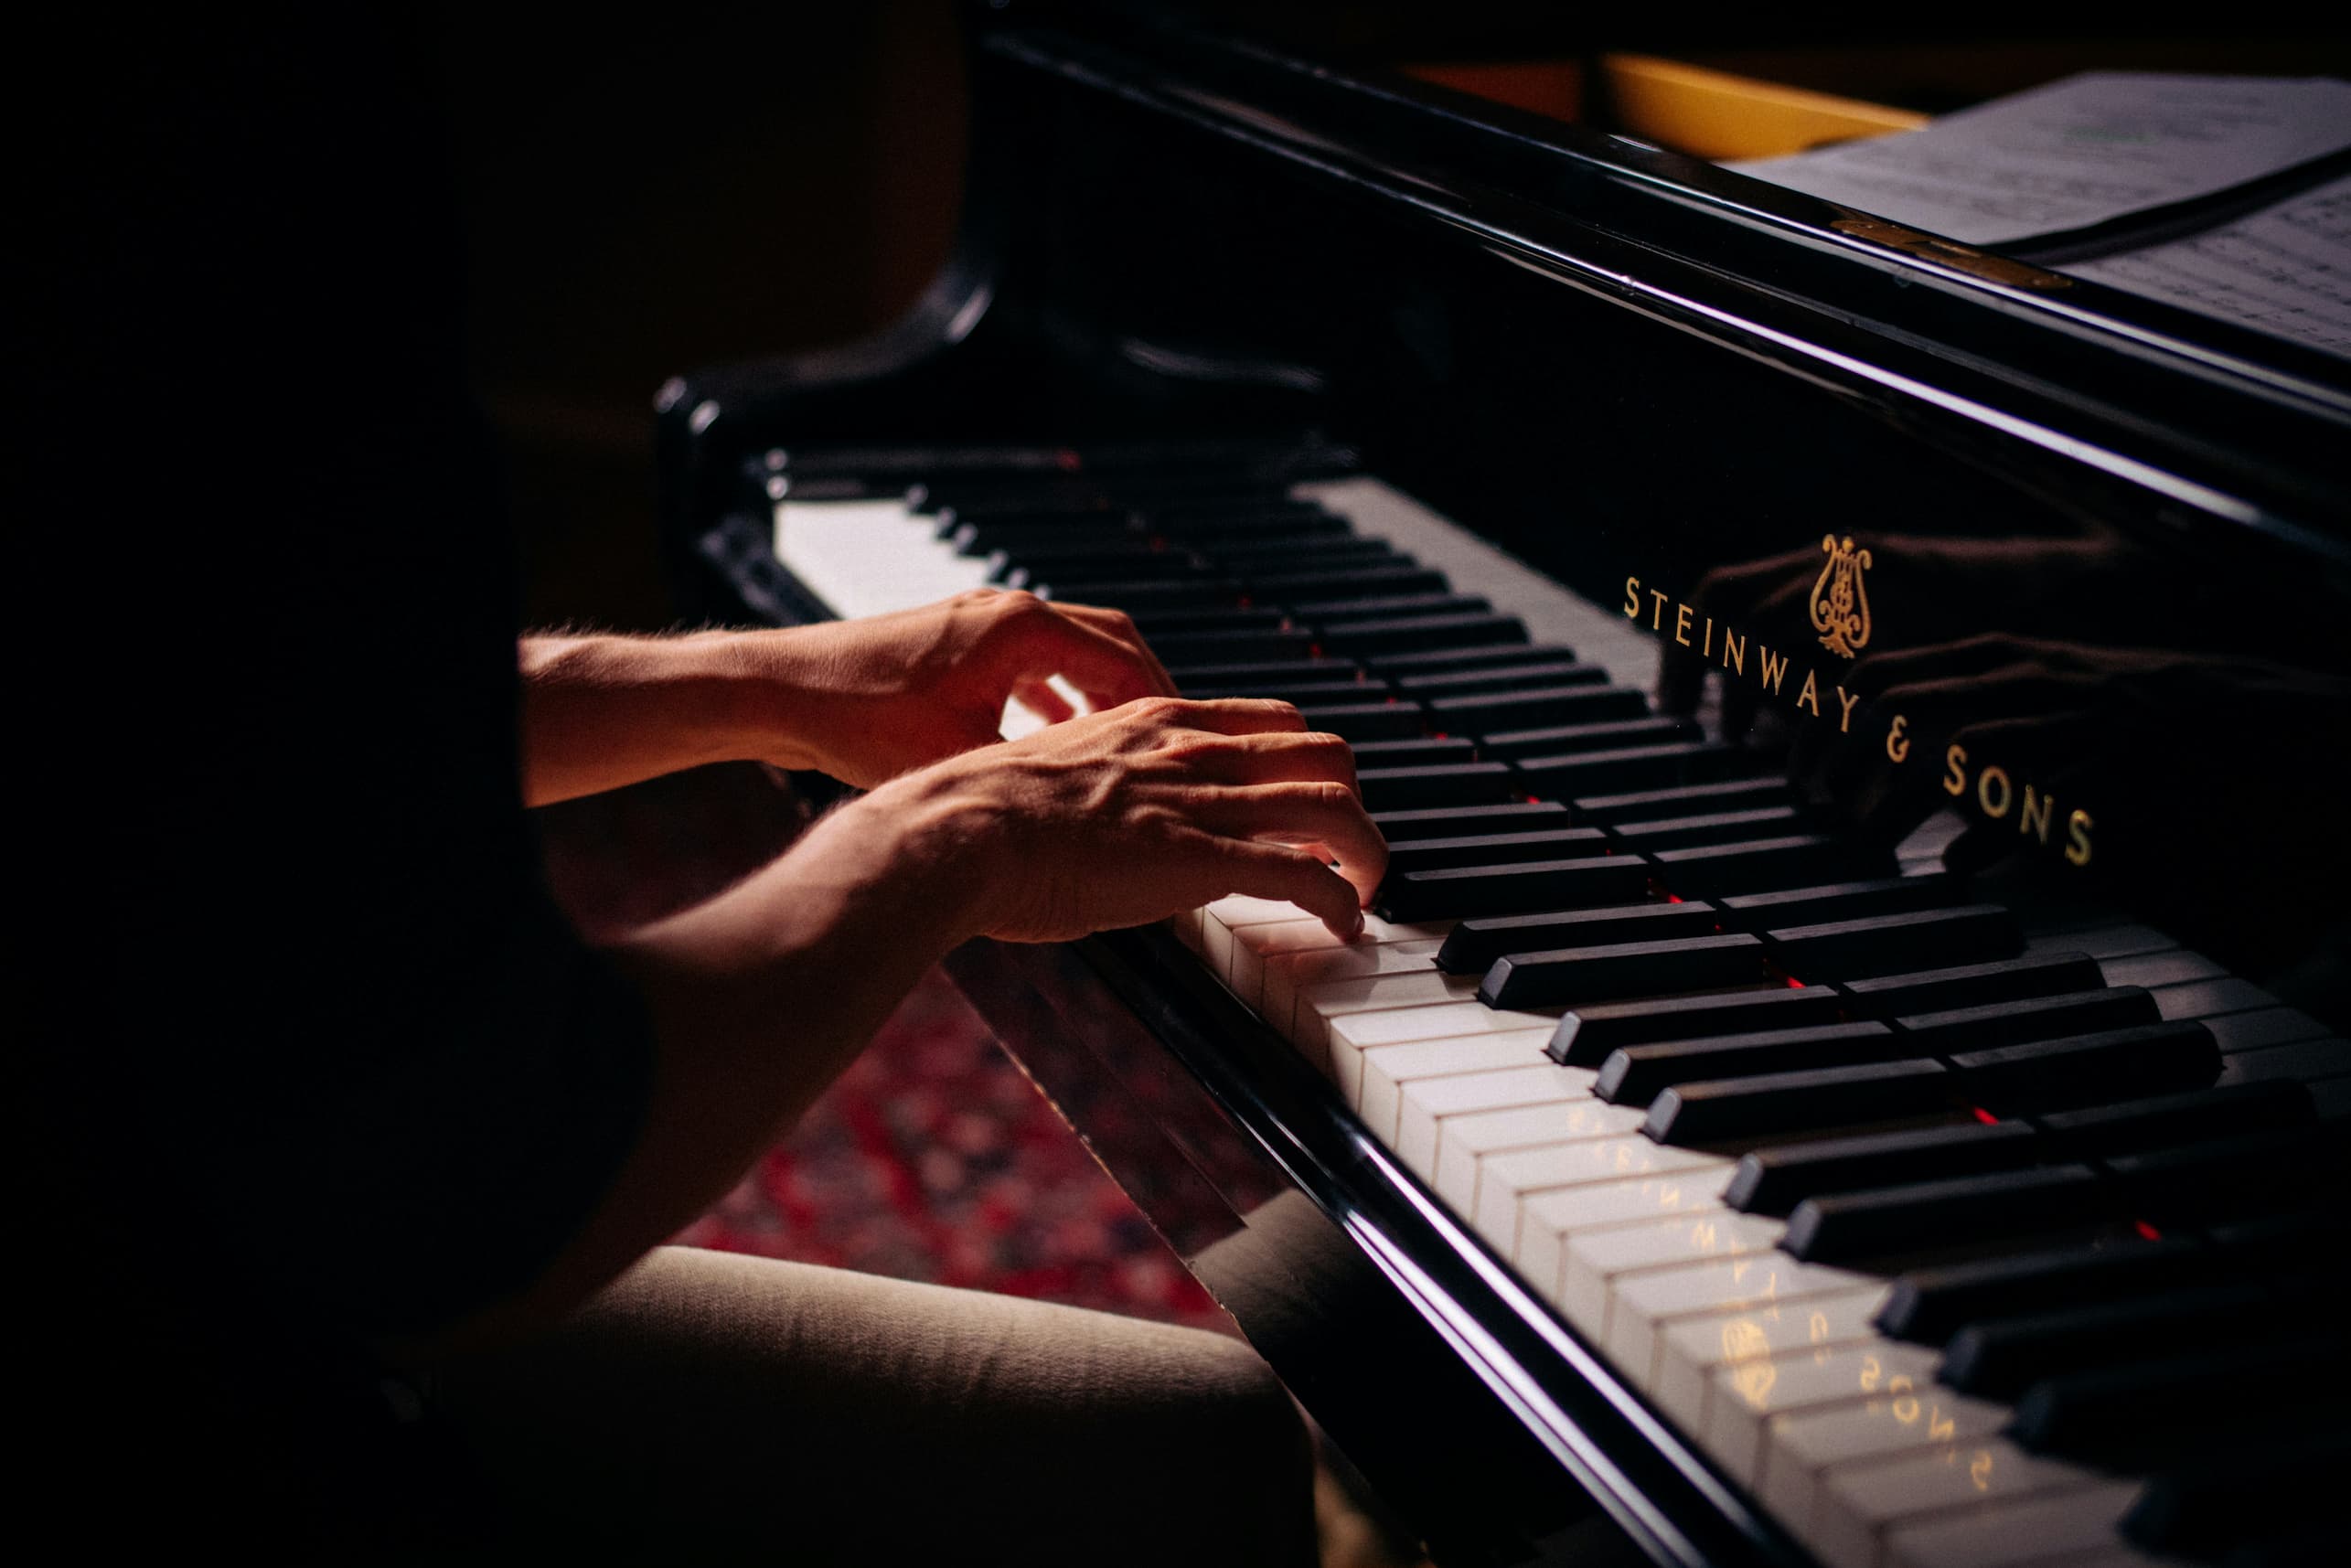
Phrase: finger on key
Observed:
(1295, 876)
(1323, 815)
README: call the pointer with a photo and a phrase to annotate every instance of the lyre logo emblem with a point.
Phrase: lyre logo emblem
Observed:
(1840, 601)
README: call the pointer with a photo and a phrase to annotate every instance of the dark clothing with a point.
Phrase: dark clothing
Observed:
(341, 1070)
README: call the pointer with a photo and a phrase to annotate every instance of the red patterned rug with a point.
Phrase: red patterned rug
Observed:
(933, 1157)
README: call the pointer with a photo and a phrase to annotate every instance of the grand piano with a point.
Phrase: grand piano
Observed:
(1845, 1067)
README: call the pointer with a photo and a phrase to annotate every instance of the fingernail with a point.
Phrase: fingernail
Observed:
(1356, 928)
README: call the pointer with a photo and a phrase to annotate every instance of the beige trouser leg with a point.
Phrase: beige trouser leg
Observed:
(715, 1408)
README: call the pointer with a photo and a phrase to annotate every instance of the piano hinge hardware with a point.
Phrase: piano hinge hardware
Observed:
(1950, 254)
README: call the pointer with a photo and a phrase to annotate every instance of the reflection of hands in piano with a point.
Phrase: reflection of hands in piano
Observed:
(2194, 764)
(1122, 818)
(1935, 589)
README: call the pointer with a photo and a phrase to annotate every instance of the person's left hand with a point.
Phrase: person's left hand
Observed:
(865, 700)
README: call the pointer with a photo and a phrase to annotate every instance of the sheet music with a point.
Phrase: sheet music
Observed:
(2078, 152)
(2286, 269)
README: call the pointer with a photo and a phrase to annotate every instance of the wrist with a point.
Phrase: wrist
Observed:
(948, 840)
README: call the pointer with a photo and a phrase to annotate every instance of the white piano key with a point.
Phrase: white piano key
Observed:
(1353, 1034)
(1749, 1393)
(1545, 1221)
(1427, 1103)
(1470, 1139)
(1425, 986)
(2003, 1537)
(1220, 919)
(1859, 1503)
(1255, 946)
(1598, 1259)
(1677, 1358)
(1803, 1447)
(1387, 1069)
(869, 557)
(1606, 1149)
(1289, 976)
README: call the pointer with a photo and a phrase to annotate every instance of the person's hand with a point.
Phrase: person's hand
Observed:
(870, 699)
(1122, 818)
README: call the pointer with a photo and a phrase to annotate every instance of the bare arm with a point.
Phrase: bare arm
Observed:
(864, 701)
(761, 995)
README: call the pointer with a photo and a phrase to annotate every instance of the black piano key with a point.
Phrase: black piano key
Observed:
(1741, 866)
(1443, 783)
(1631, 768)
(1684, 800)
(1423, 631)
(1187, 515)
(1586, 1035)
(1156, 624)
(1636, 1074)
(1710, 827)
(1514, 889)
(1460, 661)
(1774, 1181)
(1606, 735)
(1245, 672)
(1086, 551)
(1485, 678)
(1525, 708)
(2089, 1069)
(2271, 1488)
(1138, 595)
(1975, 985)
(2031, 1018)
(1471, 947)
(1362, 721)
(1253, 644)
(1568, 974)
(2163, 1121)
(1839, 1227)
(1887, 944)
(2202, 1402)
(1406, 827)
(1725, 1109)
(1284, 586)
(1419, 751)
(1207, 530)
(2305, 1062)
(1389, 607)
(1017, 537)
(1303, 693)
(2004, 1356)
(1068, 581)
(1254, 559)
(2230, 1178)
(1840, 900)
(1494, 849)
(1928, 1305)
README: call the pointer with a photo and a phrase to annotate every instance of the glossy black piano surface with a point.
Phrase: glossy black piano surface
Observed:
(2001, 695)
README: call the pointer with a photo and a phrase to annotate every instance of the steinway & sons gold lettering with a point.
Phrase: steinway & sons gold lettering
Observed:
(1840, 610)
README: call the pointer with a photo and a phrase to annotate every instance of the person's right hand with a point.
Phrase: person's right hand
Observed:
(1128, 816)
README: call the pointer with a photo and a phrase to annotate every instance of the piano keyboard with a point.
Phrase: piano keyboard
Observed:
(1956, 1241)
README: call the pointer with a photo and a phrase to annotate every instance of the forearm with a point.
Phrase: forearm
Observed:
(599, 712)
(758, 1000)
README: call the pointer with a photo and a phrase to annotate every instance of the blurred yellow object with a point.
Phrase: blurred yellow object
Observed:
(1714, 115)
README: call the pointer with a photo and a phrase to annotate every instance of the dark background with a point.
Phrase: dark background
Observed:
(646, 190)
